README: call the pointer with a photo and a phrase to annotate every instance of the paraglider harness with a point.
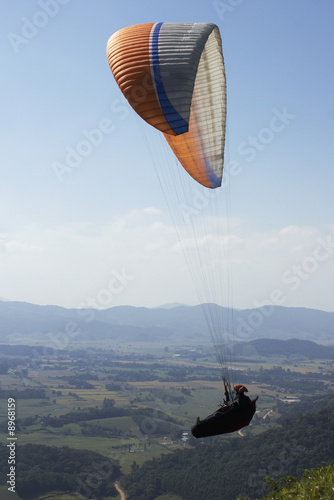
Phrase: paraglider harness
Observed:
(231, 416)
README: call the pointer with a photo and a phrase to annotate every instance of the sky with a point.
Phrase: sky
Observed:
(101, 233)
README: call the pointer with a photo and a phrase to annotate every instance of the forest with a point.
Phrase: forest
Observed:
(42, 469)
(227, 469)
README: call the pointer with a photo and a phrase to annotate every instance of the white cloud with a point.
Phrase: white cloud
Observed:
(69, 264)
(286, 260)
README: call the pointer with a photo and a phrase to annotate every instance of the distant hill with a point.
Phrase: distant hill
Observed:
(287, 348)
(20, 321)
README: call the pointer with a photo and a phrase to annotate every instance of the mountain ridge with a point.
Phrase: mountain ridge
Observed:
(22, 320)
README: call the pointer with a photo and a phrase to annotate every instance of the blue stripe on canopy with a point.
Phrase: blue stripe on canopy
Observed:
(175, 121)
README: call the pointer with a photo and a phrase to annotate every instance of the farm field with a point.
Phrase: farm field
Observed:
(130, 406)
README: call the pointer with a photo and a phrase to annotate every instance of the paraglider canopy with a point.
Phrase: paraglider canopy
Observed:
(173, 76)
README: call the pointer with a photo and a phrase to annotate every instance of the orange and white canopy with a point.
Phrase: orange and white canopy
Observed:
(173, 76)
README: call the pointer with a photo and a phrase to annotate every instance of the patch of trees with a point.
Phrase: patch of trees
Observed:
(276, 376)
(29, 393)
(4, 366)
(95, 429)
(128, 372)
(80, 353)
(229, 467)
(138, 376)
(285, 378)
(79, 383)
(86, 376)
(23, 350)
(41, 469)
(84, 415)
(307, 404)
(292, 348)
(112, 386)
(168, 397)
(12, 363)
(150, 424)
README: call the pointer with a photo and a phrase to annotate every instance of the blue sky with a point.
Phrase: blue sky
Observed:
(101, 233)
